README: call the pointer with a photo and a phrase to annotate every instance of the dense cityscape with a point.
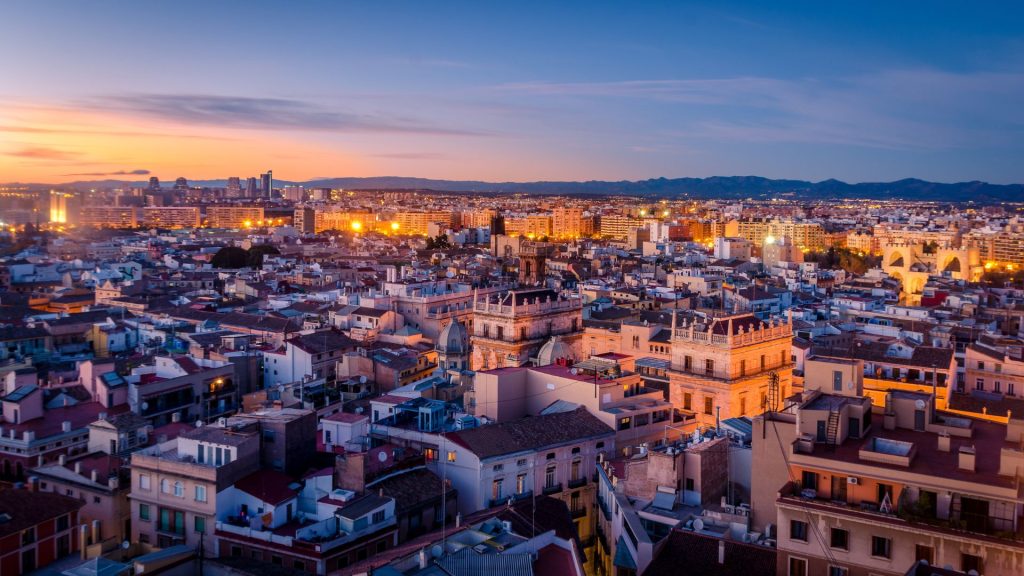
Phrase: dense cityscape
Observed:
(464, 288)
(404, 381)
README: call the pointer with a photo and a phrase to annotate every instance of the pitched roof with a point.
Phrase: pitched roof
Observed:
(687, 553)
(531, 433)
(27, 508)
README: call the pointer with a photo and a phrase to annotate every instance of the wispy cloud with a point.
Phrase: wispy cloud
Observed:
(410, 155)
(263, 114)
(893, 109)
(137, 172)
(43, 153)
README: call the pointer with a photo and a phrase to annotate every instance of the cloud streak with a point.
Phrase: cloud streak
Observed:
(263, 114)
(43, 153)
(137, 172)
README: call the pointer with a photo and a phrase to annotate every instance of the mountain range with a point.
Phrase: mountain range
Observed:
(733, 187)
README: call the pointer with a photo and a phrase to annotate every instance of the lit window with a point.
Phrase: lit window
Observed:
(451, 456)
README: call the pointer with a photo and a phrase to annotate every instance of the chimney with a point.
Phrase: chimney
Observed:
(78, 467)
(113, 483)
(721, 551)
(944, 442)
(458, 519)
(102, 416)
(176, 417)
(65, 426)
(966, 458)
(94, 475)
(62, 459)
(423, 558)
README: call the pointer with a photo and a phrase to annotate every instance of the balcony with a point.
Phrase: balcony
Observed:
(578, 482)
(503, 500)
(579, 512)
(959, 524)
(552, 489)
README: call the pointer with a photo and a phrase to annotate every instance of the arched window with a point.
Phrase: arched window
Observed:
(179, 489)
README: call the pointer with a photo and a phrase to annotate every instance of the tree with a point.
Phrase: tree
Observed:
(439, 243)
(230, 257)
(256, 254)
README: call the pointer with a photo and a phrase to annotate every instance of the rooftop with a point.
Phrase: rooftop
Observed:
(531, 433)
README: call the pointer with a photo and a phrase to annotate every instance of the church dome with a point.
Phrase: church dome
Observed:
(453, 339)
(552, 350)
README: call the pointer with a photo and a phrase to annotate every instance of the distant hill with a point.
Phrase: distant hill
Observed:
(713, 187)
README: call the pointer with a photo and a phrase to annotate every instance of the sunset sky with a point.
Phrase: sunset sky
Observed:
(517, 91)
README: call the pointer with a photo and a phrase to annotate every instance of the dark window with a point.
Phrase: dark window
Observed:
(797, 566)
(840, 539)
(881, 547)
(798, 530)
(709, 405)
(809, 480)
(64, 521)
(970, 562)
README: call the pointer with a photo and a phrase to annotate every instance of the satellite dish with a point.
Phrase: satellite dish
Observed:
(436, 551)
(382, 456)
(919, 404)
(362, 379)
(698, 524)
(450, 274)
(199, 423)
(145, 405)
(574, 371)
(126, 545)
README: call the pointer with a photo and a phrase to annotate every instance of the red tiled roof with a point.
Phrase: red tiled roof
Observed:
(27, 508)
(269, 486)
(52, 420)
(347, 417)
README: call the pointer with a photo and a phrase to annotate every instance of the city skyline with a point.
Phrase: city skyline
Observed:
(501, 94)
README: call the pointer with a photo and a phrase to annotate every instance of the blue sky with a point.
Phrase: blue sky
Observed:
(519, 91)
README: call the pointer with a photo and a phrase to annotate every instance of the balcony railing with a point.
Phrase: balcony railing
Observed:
(552, 489)
(576, 483)
(578, 512)
(871, 512)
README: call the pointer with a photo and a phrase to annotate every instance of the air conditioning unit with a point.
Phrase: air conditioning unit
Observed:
(851, 480)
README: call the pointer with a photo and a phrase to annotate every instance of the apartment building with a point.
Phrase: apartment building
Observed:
(867, 489)
(174, 484)
(607, 385)
(416, 222)
(510, 328)
(111, 216)
(552, 454)
(36, 528)
(171, 217)
(234, 216)
(724, 366)
(182, 388)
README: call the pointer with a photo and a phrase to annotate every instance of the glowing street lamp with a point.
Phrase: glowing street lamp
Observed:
(395, 226)
(357, 226)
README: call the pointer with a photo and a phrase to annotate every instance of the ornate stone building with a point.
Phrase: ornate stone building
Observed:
(510, 328)
(722, 366)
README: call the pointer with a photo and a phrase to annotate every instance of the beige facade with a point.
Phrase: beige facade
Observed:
(175, 484)
(721, 367)
(234, 216)
(170, 217)
(872, 489)
(567, 222)
(509, 328)
(110, 216)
